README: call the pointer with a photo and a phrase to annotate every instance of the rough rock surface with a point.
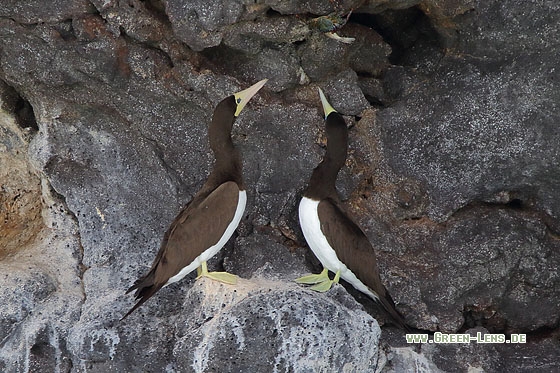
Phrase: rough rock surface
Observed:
(228, 329)
(452, 173)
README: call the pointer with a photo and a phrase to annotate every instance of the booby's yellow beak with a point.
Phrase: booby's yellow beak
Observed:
(326, 106)
(243, 97)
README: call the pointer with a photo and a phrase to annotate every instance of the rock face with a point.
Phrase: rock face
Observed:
(452, 173)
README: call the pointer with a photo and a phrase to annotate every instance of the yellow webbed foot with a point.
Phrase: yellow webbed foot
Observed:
(224, 277)
(323, 286)
(322, 280)
(314, 279)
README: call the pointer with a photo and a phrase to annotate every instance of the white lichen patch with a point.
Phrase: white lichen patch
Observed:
(237, 330)
(107, 337)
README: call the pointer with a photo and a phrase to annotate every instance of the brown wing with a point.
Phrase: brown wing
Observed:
(354, 249)
(197, 229)
(351, 244)
(198, 226)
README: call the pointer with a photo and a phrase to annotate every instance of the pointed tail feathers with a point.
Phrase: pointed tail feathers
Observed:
(145, 288)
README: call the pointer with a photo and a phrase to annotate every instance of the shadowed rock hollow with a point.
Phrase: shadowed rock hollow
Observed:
(452, 173)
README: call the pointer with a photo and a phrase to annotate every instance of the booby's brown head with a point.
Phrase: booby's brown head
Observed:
(227, 111)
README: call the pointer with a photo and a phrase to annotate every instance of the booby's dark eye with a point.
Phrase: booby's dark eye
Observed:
(238, 100)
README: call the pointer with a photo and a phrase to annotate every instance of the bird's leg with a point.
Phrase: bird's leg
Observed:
(336, 277)
(202, 271)
(314, 279)
(224, 277)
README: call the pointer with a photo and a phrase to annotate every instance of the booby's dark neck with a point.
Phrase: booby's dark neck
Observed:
(323, 179)
(227, 164)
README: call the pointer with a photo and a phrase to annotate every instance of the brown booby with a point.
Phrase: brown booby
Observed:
(338, 242)
(207, 222)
